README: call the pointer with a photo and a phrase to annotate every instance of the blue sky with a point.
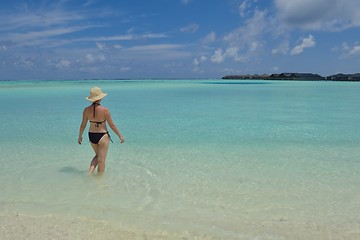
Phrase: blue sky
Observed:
(177, 38)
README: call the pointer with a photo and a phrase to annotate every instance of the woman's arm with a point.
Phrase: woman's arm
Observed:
(82, 126)
(112, 125)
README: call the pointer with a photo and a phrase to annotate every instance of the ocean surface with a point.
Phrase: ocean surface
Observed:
(214, 158)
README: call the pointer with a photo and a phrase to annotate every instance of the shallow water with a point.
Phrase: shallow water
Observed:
(200, 155)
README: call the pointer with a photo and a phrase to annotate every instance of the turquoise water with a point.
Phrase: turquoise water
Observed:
(199, 155)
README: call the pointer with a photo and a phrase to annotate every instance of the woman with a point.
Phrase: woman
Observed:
(99, 136)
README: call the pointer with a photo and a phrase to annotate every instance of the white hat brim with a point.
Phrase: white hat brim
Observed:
(93, 99)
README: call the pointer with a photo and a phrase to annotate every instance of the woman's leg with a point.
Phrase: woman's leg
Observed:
(103, 147)
(94, 161)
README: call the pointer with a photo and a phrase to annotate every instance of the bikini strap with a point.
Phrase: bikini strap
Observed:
(97, 121)
(109, 137)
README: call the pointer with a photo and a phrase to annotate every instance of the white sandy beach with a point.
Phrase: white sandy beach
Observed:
(29, 227)
(18, 226)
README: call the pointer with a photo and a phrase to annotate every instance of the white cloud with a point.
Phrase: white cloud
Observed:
(211, 37)
(305, 43)
(283, 48)
(253, 29)
(254, 46)
(244, 41)
(233, 52)
(199, 60)
(275, 69)
(36, 18)
(63, 64)
(88, 3)
(40, 37)
(185, 2)
(46, 38)
(90, 58)
(158, 52)
(4, 45)
(26, 62)
(101, 58)
(126, 37)
(351, 51)
(218, 56)
(124, 69)
(51, 25)
(333, 15)
(48, 32)
(155, 47)
(192, 28)
(101, 46)
(243, 8)
(355, 50)
(151, 36)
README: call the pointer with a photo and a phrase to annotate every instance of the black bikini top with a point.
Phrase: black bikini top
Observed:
(97, 124)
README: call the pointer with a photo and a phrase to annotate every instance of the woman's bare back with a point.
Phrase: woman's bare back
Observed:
(97, 122)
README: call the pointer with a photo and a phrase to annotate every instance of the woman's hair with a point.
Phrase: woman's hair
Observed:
(94, 105)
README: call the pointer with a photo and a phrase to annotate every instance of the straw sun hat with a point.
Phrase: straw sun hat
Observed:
(95, 94)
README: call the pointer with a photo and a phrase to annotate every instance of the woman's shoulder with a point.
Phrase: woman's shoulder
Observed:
(89, 108)
(105, 109)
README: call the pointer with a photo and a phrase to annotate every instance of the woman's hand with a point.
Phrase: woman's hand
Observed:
(122, 140)
(80, 140)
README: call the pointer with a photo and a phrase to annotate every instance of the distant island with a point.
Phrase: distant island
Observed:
(298, 77)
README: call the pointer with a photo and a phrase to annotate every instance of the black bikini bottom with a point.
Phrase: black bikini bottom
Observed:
(95, 137)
